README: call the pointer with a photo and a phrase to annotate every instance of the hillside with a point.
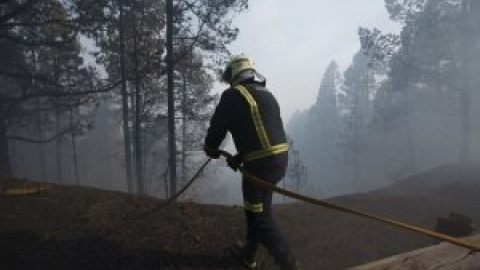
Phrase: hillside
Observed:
(85, 228)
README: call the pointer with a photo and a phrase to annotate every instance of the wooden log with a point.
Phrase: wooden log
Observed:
(443, 256)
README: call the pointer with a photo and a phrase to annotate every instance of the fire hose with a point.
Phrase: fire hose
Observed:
(260, 183)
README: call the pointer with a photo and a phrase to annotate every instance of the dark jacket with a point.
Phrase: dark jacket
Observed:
(233, 115)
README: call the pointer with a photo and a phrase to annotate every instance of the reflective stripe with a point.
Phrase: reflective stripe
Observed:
(267, 148)
(257, 119)
(253, 207)
(274, 150)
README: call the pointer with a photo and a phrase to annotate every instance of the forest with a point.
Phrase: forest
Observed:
(408, 102)
(85, 97)
(105, 105)
(91, 96)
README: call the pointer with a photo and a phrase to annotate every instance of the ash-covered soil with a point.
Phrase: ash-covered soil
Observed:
(85, 228)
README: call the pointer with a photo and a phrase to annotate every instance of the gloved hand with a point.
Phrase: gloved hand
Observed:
(234, 162)
(212, 153)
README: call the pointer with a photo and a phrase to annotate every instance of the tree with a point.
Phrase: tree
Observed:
(199, 28)
(297, 173)
(203, 28)
(218, 33)
(429, 74)
(357, 90)
(316, 130)
(43, 74)
(322, 116)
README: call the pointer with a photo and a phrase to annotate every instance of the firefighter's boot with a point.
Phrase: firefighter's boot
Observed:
(288, 263)
(245, 255)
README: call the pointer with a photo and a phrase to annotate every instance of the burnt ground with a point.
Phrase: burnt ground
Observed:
(85, 228)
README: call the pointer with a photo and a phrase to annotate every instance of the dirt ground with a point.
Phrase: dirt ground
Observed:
(84, 228)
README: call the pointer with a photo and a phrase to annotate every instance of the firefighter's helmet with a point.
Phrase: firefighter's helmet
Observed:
(235, 67)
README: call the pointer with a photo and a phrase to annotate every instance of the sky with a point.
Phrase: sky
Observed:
(292, 42)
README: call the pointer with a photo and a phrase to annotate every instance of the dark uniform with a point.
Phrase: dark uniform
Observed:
(252, 115)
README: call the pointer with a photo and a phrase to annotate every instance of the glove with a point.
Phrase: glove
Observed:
(234, 162)
(212, 153)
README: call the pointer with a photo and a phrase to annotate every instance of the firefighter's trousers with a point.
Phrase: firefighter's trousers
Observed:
(261, 227)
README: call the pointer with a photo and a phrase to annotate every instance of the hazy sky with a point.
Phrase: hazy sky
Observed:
(292, 42)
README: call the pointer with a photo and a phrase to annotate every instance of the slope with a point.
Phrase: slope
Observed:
(84, 228)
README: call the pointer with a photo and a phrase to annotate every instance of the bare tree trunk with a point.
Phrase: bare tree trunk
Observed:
(58, 148)
(41, 147)
(138, 120)
(184, 131)
(58, 144)
(126, 129)
(171, 105)
(133, 108)
(5, 163)
(165, 176)
(74, 150)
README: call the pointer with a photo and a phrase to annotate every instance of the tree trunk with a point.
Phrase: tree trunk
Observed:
(41, 148)
(58, 144)
(126, 129)
(74, 150)
(58, 147)
(138, 120)
(138, 139)
(172, 149)
(5, 163)
(184, 131)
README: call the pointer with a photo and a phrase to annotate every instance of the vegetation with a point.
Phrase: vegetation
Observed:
(63, 60)
(405, 104)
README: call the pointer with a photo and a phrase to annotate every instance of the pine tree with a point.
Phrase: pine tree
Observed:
(44, 74)
(429, 85)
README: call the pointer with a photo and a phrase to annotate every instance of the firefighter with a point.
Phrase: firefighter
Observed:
(252, 115)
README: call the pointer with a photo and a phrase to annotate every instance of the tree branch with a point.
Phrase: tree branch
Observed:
(17, 11)
(29, 140)
(28, 76)
(66, 23)
(49, 43)
(55, 93)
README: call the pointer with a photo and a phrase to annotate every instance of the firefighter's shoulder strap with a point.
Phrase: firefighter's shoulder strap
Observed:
(267, 148)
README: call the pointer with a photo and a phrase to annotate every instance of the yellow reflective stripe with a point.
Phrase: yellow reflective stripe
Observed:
(276, 149)
(267, 148)
(253, 207)
(257, 119)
